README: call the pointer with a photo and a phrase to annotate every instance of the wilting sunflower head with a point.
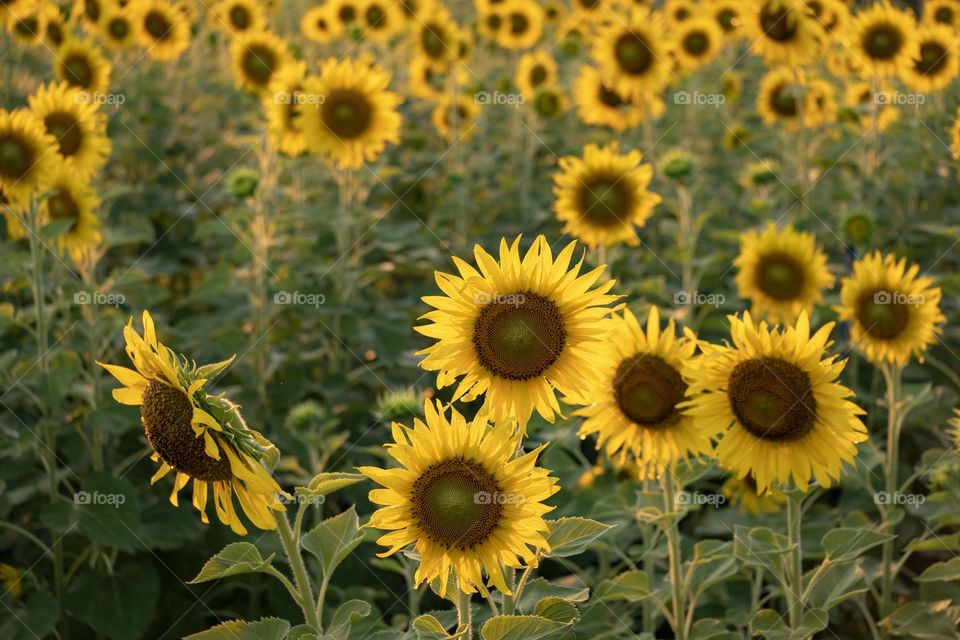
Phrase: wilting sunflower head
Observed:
(633, 55)
(895, 312)
(742, 492)
(938, 62)
(783, 31)
(201, 437)
(463, 498)
(27, 154)
(635, 405)
(603, 195)
(256, 57)
(516, 329)
(884, 40)
(773, 397)
(782, 272)
(353, 114)
(73, 120)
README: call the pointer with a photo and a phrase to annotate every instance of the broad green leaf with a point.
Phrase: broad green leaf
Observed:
(925, 620)
(761, 547)
(303, 632)
(540, 588)
(264, 629)
(845, 544)
(712, 563)
(34, 617)
(324, 483)
(350, 611)
(773, 626)
(949, 542)
(835, 583)
(233, 559)
(570, 536)
(557, 609)
(109, 511)
(632, 586)
(519, 628)
(332, 540)
(429, 628)
(949, 570)
(711, 629)
(119, 606)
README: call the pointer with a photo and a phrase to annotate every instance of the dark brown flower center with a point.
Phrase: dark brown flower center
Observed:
(259, 62)
(65, 128)
(157, 25)
(346, 113)
(727, 19)
(633, 53)
(118, 28)
(783, 100)
(780, 276)
(167, 414)
(55, 33)
(883, 314)
(239, 18)
(647, 390)
(696, 43)
(943, 15)
(883, 41)
(519, 23)
(538, 74)
(62, 206)
(778, 23)
(933, 59)
(518, 336)
(16, 156)
(606, 201)
(78, 70)
(376, 17)
(457, 503)
(772, 399)
(432, 39)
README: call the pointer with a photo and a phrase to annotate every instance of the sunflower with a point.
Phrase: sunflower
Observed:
(840, 63)
(696, 42)
(380, 20)
(79, 129)
(894, 313)
(463, 499)
(55, 25)
(602, 196)
(553, 12)
(534, 70)
(320, 25)
(282, 104)
(833, 15)
(944, 12)
(782, 31)
(522, 24)
(679, 11)
(465, 109)
(71, 198)
(517, 329)
(728, 16)
(779, 98)
(257, 56)
(782, 272)
(588, 12)
(742, 492)
(11, 10)
(199, 436)
(356, 116)
(435, 36)
(425, 80)
(550, 102)
(634, 409)
(860, 97)
(27, 153)
(87, 12)
(598, 102)
(938, 63)
(27, 28)
(116, 28)
(884, 40)
(633, 55)
(819, 103)
(955, 136)
(237, 16)
(774, 397)
(160, 28)
(82, 65)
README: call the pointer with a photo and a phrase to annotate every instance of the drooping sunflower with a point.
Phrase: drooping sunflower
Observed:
(696, 42)
(938, 63)
(727, 15)
(380, 20)
(116, 28)
(357, 115)
(71, 198)
(201, 437)
(257, 56)
(76, 124)
(282, 103)
(779, 98)
(883, 39)
(535, 70)
(742, 492)
(320, 25)
(944, 12)
(773, 395)
(634, 409)
(865, 104)
(632, 54)
(894, 312)
(160, 28)
(27, 153)
(237, 16)
(782, 31)
(598, 102)
(517, 329)
(782, 272)
(463, 500)
(79, 62)
(602, 196)
(455, 118)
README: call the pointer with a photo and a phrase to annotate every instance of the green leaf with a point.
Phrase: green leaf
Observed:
(711, 629)
(55, 229)
(834, 584)
(109, 511)
(949, 542)
(949, 570)
(303, 632)
(557, 609)
(926, 620)
(429, 628)
(332, 540)
(33, 618)
(632, 586)
(570, 536)
(350, 612)
(118, 606)
(264, 629)
(324, 483)
(519, 628)
(209, 370)
(233, 559)
(847, 543)
(539, 588)
(712, 563)
(761, 547)
(773, 626)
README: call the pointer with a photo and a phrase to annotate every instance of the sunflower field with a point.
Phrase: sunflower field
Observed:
(479, 319)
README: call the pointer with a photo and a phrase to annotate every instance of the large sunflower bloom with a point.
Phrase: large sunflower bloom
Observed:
(201, 437)
(82, 65)
(256, 57)
(463, 499)
(895, 313)
(774, 397)
(27, 153)
(782, 31)
(884, 40)
(516, 329)
(72, 118)
(633, 55)
(635, 408)
(160, 28)
(938, 62)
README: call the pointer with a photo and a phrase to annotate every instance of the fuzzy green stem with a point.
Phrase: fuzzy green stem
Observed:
(464, 614)
(673, 554)
(794, 586)
(291, 547)
(892, 376)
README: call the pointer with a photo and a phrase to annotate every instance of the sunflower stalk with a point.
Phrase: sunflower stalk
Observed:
(895, 418)
(291, 546)
(794, 559)
(464, 615)
(674, 556)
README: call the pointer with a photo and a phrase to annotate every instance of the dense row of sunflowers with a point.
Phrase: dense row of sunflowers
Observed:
(521, 331)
